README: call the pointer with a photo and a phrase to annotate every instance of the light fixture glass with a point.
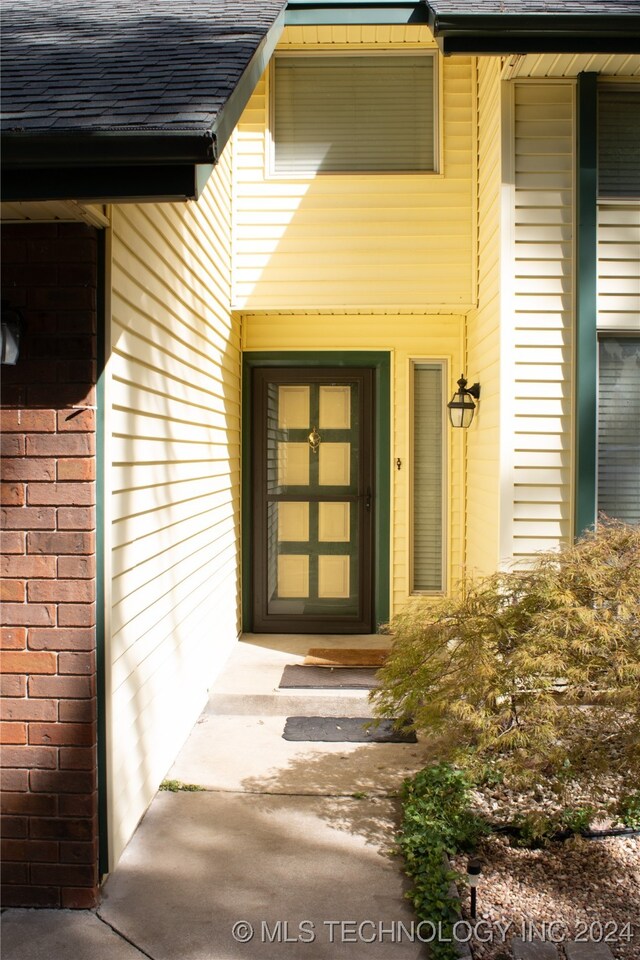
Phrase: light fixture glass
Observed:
(461, 406)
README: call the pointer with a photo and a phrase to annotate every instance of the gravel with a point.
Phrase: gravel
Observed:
(589, 889)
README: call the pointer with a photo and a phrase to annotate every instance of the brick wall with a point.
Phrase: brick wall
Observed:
(49, 823)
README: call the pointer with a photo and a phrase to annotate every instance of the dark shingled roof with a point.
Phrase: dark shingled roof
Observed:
(135, 65)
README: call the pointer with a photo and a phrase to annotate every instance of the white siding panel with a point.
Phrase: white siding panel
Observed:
(175, 458)
(539, 334)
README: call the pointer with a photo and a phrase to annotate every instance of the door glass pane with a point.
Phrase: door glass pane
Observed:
(334, 465)
(335, 407)
(314, 504)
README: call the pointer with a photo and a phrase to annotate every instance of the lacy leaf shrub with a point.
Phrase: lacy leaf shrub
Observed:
(530, 676)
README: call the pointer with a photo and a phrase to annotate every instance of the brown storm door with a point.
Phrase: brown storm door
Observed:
(313, 500)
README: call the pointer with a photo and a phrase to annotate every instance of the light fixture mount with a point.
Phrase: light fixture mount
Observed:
(461, 406)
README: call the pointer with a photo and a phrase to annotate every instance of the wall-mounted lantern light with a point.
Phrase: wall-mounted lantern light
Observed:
(461, 406)
(12, 330)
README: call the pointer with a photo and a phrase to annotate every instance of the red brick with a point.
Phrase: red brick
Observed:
(13, 541)
(12, 591)
(56, 828)
(66, 394)
(14, 780)
(12, 494)
(30, 757)
(29, 421)
(30, 850)
(72, 874)
(77, 615)
(13, 638)
(77, 468)
(77, 711)
(63, 688)
(12, 445)
(30, 804)
(76, 805)
(14, 248)
(77, 663)
(60, 445)
(77, 568)
(79, 898)
(78, 274)
(76, 518)
(27, 615)
(61, 591)
(75, 734)
(29, 710)
(62, 781)
(60, 543)
(78, 758)
(28, 567)
(61, 494)
(29, 662)
(29, 470)
(28, 518)
(13, 686)
(31, 896)
(74, 298)
(62, 638)
(13, 732)
(78, 851)
(77, 421)
(13, 873)
(16, 827)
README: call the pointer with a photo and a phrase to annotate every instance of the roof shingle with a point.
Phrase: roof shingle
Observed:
(120, 64)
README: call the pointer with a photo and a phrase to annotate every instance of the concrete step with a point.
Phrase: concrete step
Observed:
(316, 703)
(248, 686)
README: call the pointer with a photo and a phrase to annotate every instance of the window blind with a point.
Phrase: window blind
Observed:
(427, 477)
(619, 141)
(353, 113)
(619, 428)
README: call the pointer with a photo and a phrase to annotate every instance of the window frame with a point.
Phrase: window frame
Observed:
(443, 364)
(348, 51)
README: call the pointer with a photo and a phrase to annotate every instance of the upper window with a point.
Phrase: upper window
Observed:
(353, 113)
(619, 141)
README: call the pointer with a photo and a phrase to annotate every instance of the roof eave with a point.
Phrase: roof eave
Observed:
(107, 165)
(473, 33)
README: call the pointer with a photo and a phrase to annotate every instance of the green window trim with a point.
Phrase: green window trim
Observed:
(586, 350)
(380, 362)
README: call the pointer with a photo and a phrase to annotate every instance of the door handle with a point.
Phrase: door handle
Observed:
(367, 499)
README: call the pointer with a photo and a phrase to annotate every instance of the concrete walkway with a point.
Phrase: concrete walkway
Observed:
(285, 853)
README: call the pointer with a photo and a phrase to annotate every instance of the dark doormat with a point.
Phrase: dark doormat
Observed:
(355, 678)
(337, 657)
(345, 730)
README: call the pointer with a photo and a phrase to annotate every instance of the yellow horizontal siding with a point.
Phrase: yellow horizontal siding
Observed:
(407, 337)
(371, 241)
(537, 380)
(175, 472)
(483, 336)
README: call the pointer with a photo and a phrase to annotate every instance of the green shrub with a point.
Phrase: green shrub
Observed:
(532, 675)
(437, 822)
(628, 810)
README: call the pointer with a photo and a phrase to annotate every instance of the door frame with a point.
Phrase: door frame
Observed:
(379, 361)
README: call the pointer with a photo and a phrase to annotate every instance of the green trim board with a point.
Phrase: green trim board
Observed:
(303, 13)
(101, 693)
(586, 348)
(380, 363)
